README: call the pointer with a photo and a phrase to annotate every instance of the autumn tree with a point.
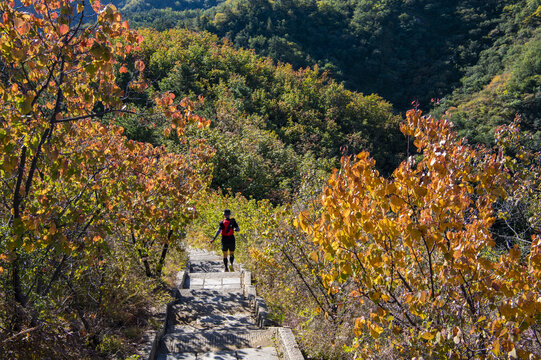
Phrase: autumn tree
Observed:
(56, 69)
(157, 188)
(65, 177)
(420, 249)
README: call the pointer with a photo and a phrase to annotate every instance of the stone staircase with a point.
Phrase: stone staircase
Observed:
(217, 315)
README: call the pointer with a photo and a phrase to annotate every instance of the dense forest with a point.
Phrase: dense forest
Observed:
(504, 81)
(401, 50)
(373, 230)
(461, 54)
(270, 124)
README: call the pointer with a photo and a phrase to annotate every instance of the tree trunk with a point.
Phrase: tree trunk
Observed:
(142, 256)
(165, 247)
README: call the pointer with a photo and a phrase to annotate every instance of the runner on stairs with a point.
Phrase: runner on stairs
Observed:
(218, 316)
(227, 228)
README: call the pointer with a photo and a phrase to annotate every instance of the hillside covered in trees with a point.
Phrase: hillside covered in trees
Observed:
(505, 81)
(457, 53)
(271, 126)
(401, 50)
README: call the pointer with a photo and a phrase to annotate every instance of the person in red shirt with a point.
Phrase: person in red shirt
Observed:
(227, 228)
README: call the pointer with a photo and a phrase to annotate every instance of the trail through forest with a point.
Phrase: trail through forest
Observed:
(217, 315)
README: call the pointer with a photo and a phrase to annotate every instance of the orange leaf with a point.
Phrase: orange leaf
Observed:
(140, 65)
(64, 29)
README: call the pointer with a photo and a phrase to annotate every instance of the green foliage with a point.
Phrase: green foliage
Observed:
(176, 5)
(402, 50)
(255, 218)
(267, 120)
(505, 81)
(526, 76)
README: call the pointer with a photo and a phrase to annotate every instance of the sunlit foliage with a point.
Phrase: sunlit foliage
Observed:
(420, 248)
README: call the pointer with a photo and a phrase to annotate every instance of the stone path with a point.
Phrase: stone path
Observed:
(218, 316)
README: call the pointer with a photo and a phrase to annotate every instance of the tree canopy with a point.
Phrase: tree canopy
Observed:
(269, 122)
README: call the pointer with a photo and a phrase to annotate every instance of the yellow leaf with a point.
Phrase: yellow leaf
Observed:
(375, 330)
(396, 203)
(496, 347)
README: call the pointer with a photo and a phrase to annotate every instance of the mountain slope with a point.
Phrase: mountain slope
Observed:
(272, 126)
(401, 50)
(506, 80)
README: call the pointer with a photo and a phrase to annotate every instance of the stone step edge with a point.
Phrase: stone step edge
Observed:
(219, 354)
(150, 348)
(282, 339)
(287, 345)
(217, 340)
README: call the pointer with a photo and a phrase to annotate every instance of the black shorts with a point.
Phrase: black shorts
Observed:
(228, 243)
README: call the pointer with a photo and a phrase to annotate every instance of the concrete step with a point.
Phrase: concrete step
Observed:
(266, 353)
(215, 275)
(213, 321)
(216, 340)
(210, 265)
(201, 303)
(212, 293)
(213, 280)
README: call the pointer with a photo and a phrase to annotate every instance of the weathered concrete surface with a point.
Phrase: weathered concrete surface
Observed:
(266, 353)
(185, 356)
(219, 355)
(218, 316)
(215, 340)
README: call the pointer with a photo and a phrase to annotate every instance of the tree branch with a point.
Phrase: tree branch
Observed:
(89, 116)
(26, 331)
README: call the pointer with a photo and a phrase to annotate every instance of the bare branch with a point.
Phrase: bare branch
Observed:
(89, 116)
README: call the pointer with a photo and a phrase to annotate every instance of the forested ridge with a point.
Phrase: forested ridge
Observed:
(270, 124)
(426, 51)
(373, 230)
(401, 50)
